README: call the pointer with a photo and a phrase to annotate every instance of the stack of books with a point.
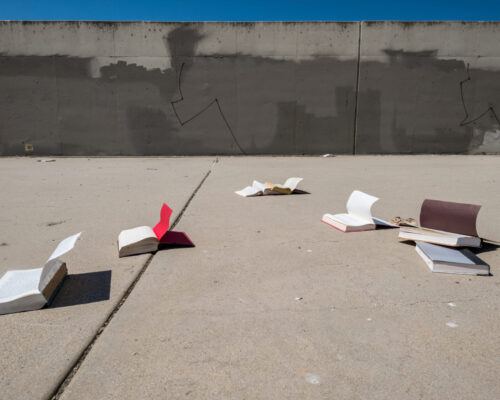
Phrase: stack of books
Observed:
(446, 231)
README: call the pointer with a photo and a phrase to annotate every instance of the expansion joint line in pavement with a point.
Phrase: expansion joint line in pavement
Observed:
(76, 366)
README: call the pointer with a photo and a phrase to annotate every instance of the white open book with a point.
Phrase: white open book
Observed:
(358, 216)
(264, 189)
(31, 289)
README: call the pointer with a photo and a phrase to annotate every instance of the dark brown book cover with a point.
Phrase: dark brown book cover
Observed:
(449, 216)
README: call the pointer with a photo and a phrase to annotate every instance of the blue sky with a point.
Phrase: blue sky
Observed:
(241, 10)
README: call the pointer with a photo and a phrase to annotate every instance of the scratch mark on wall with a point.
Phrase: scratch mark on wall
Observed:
(213, 102)
(490, 109)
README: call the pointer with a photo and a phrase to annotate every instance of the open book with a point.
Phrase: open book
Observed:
(144, 239)
(264, 189)
(451, 261)
(445, 223)
(32, 289)
(359, 215)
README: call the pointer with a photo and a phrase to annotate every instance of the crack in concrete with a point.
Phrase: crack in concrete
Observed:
(58, 392)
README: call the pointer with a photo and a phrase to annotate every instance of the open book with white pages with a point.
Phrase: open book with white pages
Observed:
(264, 189)
(358, 217)
(32, 289)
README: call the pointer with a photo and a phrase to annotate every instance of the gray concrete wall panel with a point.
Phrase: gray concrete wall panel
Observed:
(149, 88)
(429, 88)
(141, 88)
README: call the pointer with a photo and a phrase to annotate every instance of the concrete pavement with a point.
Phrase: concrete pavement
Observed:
(42, 203)
(271, 303)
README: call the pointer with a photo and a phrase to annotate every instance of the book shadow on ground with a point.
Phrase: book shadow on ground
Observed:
(384, 227)
(485, 248)
(296, 191)
(407, 242)
(90, 287)
(167, 246)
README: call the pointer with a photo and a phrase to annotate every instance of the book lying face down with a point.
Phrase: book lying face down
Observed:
(359, 215)
(32, 289)
(445, 223)
(451, 261)
(144, 239)
(265, 189)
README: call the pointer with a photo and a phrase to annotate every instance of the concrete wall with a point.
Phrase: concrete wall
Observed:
(84, 88)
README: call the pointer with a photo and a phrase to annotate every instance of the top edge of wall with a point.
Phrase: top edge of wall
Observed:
(258, 21)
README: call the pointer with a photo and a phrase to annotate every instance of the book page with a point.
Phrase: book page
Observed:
(248, 191)
(259, 186)
(348, 219)
(360, 204)
(254, 190)
(18, 283)
(290, 183)
(65, 246)
(135, 235)
(161, 227)
(381, 222)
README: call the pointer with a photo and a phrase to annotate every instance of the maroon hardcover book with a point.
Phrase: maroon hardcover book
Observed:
(449, 216)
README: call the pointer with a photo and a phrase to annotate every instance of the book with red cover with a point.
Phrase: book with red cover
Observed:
(143, 239)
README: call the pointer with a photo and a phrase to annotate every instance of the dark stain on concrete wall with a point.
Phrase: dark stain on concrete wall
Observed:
(57, 105)
(415, 103)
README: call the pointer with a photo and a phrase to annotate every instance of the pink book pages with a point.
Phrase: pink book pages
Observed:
(161, 227)
(169, 237)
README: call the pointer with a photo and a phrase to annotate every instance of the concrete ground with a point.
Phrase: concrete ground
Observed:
(270, 304)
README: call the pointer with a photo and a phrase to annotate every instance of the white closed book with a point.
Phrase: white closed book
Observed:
(451, 261)
(438, 237)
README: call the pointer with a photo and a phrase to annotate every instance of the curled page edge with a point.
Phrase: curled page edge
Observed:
(381, 222)
(450, 216)
(254, 190)
(246, 192)
(64, 246)
(161, 228)
(360, 204)
(292, 183)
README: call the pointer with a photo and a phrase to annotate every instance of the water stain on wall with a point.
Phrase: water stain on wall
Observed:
(251, 104)
(56, 103)
(417, 103)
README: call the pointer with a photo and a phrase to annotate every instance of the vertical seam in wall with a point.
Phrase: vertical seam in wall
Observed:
(295, 121)
(56, 88)
(356, 94)
(117, 120)
(236, 83)
(295, 61)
